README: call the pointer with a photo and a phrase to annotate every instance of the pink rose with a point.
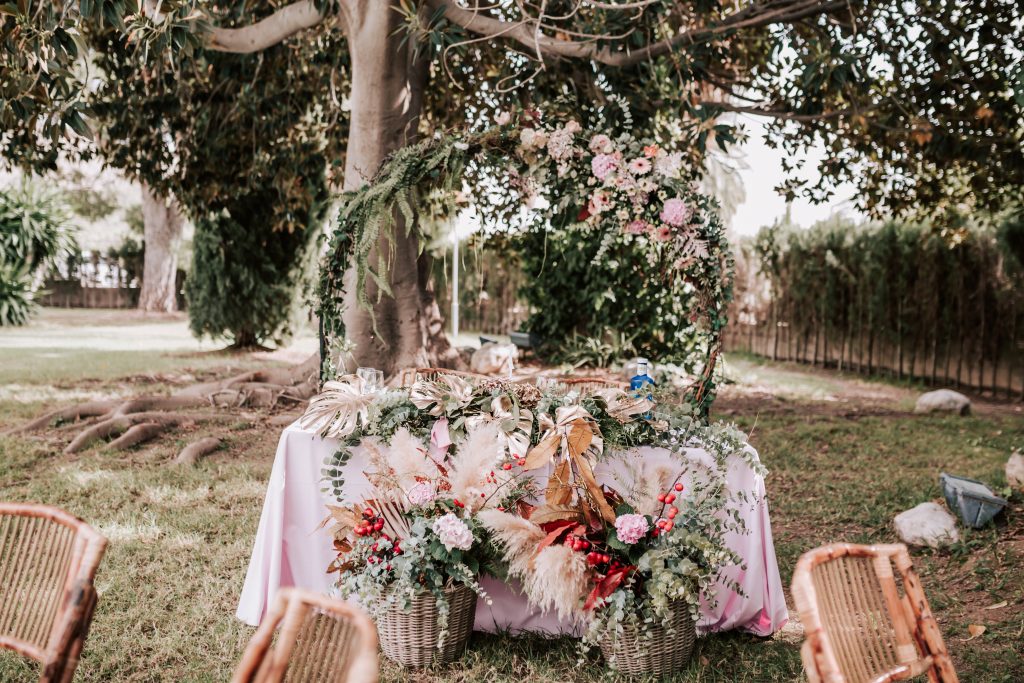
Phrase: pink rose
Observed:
(600, 144)
(631, 528)
(602, 165)
(675, 212)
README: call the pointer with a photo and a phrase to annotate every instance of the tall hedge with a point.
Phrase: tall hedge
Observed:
(899, 298)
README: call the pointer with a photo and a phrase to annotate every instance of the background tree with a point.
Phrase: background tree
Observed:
(215, 135)
(907, 96)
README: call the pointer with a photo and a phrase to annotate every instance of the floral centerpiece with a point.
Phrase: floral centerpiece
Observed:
(635, 558)
(412, 551)
(453, 466)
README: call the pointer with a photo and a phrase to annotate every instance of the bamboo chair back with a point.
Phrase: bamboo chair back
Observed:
(589, 384)
(48, 561)
(318, 640)
(859, 628)
(410, 375)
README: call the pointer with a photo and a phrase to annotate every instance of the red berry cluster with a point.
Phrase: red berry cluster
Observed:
(665, 525)
(384, 548)
(508, 466)
(595, 557)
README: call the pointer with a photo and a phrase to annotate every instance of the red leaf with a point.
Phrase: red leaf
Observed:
(607, 586)
(583, 215)
(555, 531)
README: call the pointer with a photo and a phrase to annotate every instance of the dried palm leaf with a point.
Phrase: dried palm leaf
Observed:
(337, 410)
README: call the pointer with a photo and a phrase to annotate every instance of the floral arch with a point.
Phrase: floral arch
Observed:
(605, 187)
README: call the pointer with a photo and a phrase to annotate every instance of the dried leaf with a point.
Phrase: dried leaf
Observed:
(975, 630)
(542, 453)
(546, 514)
(594, 489)
(998, 605)
(559, 491)
(580, 437)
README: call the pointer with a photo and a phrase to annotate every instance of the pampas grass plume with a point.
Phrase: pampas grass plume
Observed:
(517, 537)
(558, 581)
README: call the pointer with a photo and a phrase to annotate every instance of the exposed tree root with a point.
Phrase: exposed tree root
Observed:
(136, 420)
(72, 413)
(122, 423)
(192, 453)
(137, 434)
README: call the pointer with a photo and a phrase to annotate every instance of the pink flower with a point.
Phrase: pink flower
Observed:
(663, 233)
(637, 227)
(639, 166)
(668, 164)
(422, 493)
(601, 144)
(453, 532)
(631, 528)
(503, 118)
(675, 212)
(599, 202)
(602, 165)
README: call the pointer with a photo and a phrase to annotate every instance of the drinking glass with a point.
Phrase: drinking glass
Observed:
(371, 380)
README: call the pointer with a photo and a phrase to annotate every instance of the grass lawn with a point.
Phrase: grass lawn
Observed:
(844, 456)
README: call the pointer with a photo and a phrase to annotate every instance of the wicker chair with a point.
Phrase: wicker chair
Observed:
(48, 561)
(410, 375)
(320, 639)
(859, 628)
(584, 384)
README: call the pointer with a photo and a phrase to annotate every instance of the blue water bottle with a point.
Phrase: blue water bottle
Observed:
(640, 380)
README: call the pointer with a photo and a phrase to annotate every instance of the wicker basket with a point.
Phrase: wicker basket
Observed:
(409, 637)
(659, 651)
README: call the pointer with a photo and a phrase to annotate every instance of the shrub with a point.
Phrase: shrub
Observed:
(246, 277)
(34, 236)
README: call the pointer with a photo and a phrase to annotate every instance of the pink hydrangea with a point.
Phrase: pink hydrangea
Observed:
(601, 144)
(675, 212)
(422, 493)
(639, 166)
(637, 227)
(602, 165)
(453, 532)
(631, 528)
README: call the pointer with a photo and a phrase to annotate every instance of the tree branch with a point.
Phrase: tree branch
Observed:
(268, 32)
(485, 24)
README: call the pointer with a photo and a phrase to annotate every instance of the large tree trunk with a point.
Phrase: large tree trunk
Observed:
(387, 97)
(163, 226)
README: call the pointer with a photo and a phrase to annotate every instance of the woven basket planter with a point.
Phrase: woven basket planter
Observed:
(409, 637)
(658, 651)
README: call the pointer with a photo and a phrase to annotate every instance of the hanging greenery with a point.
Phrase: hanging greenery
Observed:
(599, 185)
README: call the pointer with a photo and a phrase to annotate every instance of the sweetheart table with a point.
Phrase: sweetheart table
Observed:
(292, 550)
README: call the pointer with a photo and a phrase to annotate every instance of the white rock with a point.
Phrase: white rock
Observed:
(943, 401)
(490, 359)
(1015, 471)
(927, 524)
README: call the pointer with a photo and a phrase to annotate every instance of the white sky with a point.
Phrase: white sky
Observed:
(761, 172)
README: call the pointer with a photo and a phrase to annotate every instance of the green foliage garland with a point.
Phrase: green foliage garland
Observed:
(645, 203)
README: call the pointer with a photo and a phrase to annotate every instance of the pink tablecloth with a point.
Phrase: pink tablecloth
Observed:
(290, 551)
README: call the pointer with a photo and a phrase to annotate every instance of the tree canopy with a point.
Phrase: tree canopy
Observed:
(918, 103)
